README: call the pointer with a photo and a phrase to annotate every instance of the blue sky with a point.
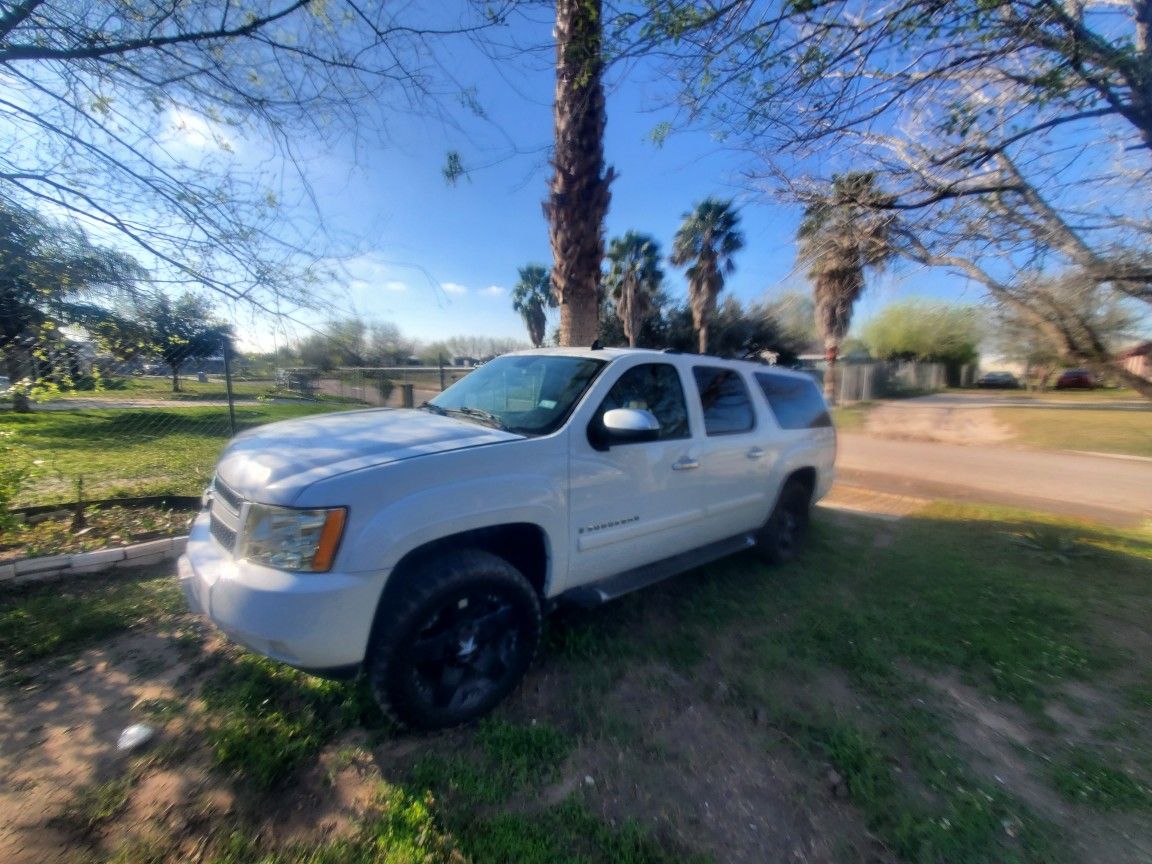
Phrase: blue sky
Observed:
(440, 260)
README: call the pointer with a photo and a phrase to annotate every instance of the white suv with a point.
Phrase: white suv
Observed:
(422, 545)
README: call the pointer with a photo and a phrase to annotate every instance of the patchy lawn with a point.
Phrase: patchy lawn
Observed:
(965, 685)
(191, 389)
(125, 452)
(98, 527)
(1099, 428)
(1090, 421)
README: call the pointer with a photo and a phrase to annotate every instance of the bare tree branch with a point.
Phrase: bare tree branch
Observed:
(94, 95)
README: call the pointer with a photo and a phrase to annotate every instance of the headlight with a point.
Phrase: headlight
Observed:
(288, 539)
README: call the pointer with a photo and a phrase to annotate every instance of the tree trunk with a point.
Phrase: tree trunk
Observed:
(15, 371)
(1138, 383)
(579, 193)
(175, 378)
(20, 403)
(702, 339)
(831, 353)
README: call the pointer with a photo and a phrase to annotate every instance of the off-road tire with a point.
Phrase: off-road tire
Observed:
(454, 641)
(783, 534)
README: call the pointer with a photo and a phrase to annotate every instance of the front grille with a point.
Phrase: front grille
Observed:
(229, 497)
(224, 535)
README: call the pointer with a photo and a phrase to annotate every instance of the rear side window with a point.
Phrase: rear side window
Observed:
(796, 402)
(724, 398)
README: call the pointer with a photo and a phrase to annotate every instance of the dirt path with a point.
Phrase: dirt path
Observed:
(916, 420)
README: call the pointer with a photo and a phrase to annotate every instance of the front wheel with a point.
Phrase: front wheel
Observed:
(783, 534)
(455, 642)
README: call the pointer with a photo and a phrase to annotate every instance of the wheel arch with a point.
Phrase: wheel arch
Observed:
(524, 545)
(806, 477)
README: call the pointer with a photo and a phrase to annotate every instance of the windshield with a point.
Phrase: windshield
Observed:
(527, 394)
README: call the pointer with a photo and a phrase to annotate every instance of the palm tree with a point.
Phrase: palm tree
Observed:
(633, 277)
(530, 297)
(578, 191)
(705, 244)
(843, 232)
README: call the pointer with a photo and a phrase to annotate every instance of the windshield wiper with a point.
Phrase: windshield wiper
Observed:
(435, 409)
(479, 414)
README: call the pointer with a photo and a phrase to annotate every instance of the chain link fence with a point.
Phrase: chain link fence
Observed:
(392, 386)
(862, 382)
(132, 430)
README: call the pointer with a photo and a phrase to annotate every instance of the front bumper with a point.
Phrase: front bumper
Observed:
(315, 621)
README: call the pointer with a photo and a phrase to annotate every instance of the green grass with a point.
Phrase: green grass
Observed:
(65, 616)
(505, 759)
(1088, 776)
(1082, 397)
(396, 829)
(128, 452)
(852, 418)
(160, 387)
(1011, 606)
(96, 804)
(962, 819)
(567, 833)
(1097, 429)
(266, 719)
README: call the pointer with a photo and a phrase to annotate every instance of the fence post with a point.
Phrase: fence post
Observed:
(406, 399)
(228, 384)
(440, 362)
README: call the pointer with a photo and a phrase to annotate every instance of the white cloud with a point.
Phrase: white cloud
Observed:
(493, 291)
(454, 288)
(395, 285)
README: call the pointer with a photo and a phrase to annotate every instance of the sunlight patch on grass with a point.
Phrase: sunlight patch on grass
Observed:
(64, 616)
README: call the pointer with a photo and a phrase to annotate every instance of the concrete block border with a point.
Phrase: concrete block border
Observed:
(89, 563)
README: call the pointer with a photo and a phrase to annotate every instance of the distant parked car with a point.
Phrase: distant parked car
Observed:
(1001, 380)
(1075, 379)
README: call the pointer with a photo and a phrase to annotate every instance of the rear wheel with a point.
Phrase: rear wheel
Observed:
(456, 640)
(783, 534)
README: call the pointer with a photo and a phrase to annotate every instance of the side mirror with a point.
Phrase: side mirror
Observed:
(630, 426)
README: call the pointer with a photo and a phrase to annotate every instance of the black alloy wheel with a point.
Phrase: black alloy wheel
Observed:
(459, 645)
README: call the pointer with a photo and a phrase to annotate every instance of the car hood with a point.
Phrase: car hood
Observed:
(273, 463)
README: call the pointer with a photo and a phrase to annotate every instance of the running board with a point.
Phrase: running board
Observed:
(633, 580)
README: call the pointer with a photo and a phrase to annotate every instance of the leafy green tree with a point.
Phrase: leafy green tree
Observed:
(930, 331)
(531, 297)
(633, 280)
(387, 345)
(705, 244)
(844, 232)
(795, 316)
(735, 331)
(578, 191)
(653, 330)
(181, 330)
(337, 342)
(50, 275)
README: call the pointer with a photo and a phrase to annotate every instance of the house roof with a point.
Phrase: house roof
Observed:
(1141, 349)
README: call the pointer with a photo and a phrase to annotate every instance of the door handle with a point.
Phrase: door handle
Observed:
(685, 464)
(755, 453)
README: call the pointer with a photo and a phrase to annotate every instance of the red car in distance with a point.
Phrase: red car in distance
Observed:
(1076, 379)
